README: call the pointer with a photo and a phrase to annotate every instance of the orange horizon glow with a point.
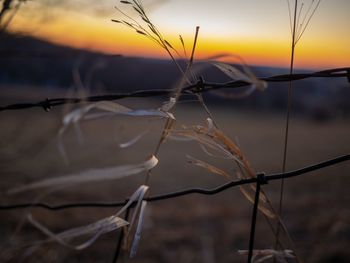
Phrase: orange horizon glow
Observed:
(102, 35)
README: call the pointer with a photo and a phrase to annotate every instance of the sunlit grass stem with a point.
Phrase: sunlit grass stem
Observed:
(286, 133)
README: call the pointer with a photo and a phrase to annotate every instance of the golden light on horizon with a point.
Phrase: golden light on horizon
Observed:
(265, 43)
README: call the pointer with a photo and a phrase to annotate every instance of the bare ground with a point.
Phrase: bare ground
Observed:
(188, 229)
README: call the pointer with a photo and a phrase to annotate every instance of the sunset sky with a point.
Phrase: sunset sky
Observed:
(257, 30)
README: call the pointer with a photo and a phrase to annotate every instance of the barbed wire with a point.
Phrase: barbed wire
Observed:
(199, 87)
(261, 177)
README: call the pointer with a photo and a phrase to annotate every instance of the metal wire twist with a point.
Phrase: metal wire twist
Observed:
(199, 87)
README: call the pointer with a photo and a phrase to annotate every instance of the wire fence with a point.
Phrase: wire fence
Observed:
(200, 86)
(259, 180)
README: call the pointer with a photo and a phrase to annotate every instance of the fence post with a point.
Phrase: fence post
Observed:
(260, 180)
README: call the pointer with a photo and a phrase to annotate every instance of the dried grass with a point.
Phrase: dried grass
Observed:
(100, 227)
(104, 174)
(210, 137)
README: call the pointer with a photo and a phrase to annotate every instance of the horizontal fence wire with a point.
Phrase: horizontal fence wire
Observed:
(261, 177)
(200, 86)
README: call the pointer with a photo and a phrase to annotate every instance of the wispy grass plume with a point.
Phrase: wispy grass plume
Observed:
(147, 28)
(299, 21)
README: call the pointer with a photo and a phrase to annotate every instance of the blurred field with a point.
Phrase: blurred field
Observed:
(189, 229)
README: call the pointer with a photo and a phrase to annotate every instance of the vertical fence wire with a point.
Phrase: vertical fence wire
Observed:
(260, 180)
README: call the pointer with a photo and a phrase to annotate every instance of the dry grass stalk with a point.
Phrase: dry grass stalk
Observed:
(137, 235)
(94, 230)
(148, 29)
(133, 140)
(100, 227)
(102, 109)
(298, 27)
(133, 231)
(245, 75)
(97, 175)
(211, 137)
(208, 167)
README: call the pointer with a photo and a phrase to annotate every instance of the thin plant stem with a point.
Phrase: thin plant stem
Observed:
(188, 69)
(286, 134)
(189, 65)
(290, 17)
(161, 140)
(178, 93)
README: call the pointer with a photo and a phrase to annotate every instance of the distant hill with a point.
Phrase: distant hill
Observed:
(27, 61)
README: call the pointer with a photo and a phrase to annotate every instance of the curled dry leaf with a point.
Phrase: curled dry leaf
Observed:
(94, 230)
(131, 241)
(103, 174)
(133, 140)
(139, 226)
(246, 75)
(100, 227)
(112, 108)
(108, 109)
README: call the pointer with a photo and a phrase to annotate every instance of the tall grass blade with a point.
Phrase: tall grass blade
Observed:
(96, 175)
(104, 109)
(208, 167)
(137, 236)
(131, 241)
(95, 230)
(133, 140)
(247, 75)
